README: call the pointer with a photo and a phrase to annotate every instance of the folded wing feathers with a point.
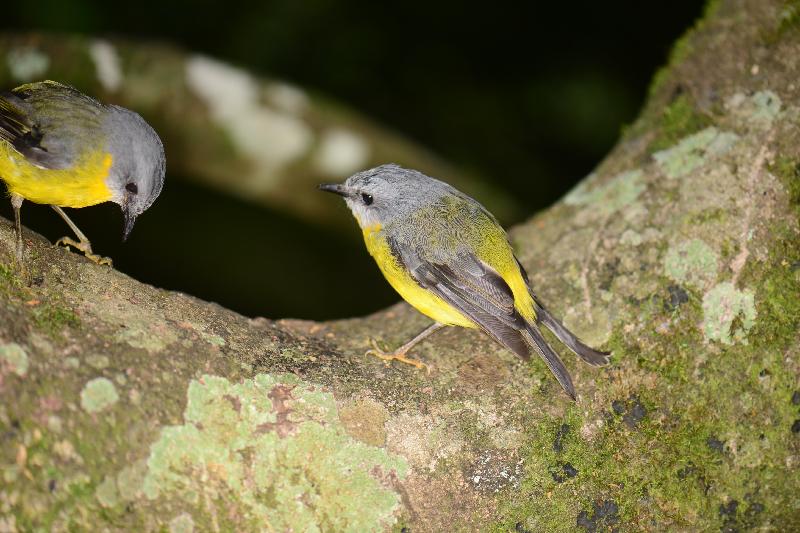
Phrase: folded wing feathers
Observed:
(482, 295)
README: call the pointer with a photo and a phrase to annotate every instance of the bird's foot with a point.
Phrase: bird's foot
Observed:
(399, 355)
(86, 248)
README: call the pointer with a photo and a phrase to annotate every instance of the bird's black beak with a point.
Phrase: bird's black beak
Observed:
(335, 188)
(130, 220)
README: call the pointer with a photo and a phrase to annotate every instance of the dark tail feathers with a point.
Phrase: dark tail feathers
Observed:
(554, 362)
(522, 339)
(590, 355)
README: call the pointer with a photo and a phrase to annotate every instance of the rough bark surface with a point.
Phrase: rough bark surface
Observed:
(126, 406)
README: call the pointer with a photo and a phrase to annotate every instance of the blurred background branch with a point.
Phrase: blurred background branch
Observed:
(263, 141)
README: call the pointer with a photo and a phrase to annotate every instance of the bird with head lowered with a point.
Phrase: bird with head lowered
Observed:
(63, 148)
(450, 259)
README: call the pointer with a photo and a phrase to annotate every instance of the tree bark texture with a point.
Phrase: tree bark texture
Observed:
(125, 406)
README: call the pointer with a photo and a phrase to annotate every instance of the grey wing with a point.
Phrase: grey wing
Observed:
(19, 130)
(473, 288)
(481, 294)
(45, 122)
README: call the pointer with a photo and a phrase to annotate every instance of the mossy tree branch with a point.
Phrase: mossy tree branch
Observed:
(134, 407)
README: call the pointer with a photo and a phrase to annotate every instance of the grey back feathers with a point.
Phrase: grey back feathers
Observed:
(436, 220)
(48, 123)
(57, 123)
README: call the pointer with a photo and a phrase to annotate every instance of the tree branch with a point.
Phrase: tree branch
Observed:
(127, 406)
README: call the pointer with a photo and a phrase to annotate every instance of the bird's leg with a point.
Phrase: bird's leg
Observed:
(84, 245)
(400, 353)
(16, 203)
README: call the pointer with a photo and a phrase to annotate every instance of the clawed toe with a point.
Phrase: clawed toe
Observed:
(388, 357)
(86, 248)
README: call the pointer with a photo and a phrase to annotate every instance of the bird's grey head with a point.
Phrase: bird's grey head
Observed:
(137, 171)
(385, 193)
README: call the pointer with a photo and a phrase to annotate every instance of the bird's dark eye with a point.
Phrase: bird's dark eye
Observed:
(367, 198)
(132, 188)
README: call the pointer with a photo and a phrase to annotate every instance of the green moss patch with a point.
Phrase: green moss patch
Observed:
(678, 120)
(52, 318)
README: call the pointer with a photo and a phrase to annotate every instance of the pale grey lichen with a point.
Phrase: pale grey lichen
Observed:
(341, 153)
(142, 338)
(131, 479)
(15, 357)
(203, 333)
(270, 137)
(620, 191)
(182, 523)
(692, 262)
(272, 452)
(147, 329)
(420, 440)
(593, 325)
(287, 97)
(767, 106)
(631, 238)
(693, 151)
(98, 394)
(728, 314)
(97, 361)
(106, 493)
(760, 109)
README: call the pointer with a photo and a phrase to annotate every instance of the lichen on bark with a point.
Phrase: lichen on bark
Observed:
(681, 253)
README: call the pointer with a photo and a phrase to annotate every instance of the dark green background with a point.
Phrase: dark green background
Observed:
(529, 95)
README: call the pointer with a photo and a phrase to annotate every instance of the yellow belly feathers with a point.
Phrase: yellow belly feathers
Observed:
(80, 186)
(423, 300)
(427, 303)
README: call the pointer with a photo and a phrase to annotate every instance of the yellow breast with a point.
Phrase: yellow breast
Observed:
(423, 300)
(80, 186)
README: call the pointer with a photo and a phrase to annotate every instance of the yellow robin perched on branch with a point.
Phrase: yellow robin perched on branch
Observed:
(63, 148)
(449, 258)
